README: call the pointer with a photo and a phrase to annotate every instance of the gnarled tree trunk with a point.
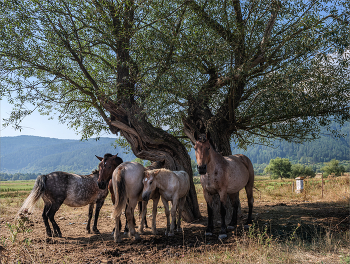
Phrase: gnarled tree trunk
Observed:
(151, 143)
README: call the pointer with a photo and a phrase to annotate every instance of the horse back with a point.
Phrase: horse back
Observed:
(72, 189)
(247, 163)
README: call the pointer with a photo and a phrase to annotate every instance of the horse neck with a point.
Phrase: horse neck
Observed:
(161, 183)
(215, 158)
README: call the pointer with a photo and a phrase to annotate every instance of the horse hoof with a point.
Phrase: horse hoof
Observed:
(222, 236)
(208, 233)
(137, 238)
(231, 227)
(171, 234)
(154, 232)
(96, 232)
(246, 227)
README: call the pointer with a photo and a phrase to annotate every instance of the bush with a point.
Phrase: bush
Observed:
(333, 167)
(301, 170)
(279, 168)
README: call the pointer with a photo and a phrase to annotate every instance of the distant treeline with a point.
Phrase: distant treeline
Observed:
(324, 149)
(18, 176)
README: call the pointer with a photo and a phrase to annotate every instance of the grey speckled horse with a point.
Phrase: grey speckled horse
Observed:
(57, 188)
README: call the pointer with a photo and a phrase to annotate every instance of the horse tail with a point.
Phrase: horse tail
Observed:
(34, 196)
(120, 193)
(246, 161)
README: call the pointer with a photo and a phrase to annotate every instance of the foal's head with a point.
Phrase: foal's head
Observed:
(202, 148)
(106, 167)
(149, 184)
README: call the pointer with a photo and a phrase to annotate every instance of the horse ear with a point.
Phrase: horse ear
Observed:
(99, 158)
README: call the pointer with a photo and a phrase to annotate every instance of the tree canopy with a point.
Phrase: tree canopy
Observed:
(157, 71)
(279, 168)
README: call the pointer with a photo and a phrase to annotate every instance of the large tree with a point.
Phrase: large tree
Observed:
(157, 71)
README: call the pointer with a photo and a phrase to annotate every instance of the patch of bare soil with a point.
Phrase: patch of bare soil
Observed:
(280, 220)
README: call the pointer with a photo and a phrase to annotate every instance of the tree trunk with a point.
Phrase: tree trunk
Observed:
(154, 144)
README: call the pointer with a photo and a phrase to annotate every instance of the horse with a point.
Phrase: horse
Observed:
(173, 186)
(106, 169)
(225, 176)
(57, 188)
(127, 187)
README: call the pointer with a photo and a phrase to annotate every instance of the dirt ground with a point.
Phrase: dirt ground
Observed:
(281, 220)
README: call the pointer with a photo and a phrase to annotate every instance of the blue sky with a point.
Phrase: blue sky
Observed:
(37, 125)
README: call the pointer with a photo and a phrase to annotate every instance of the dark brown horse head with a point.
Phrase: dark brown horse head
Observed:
(202, 148)
(106, 167)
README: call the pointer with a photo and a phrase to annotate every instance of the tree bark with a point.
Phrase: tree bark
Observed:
(154, 144)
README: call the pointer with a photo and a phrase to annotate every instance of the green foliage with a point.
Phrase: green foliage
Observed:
(320, 150)
(301, 170)
(279, 168)
(144, 163)
(19, 227)
(194, 168)
(333, 167)
(265, 69)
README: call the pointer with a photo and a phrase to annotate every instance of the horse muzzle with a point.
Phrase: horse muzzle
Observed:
(145, 196)
(102, 185)
(202, 169)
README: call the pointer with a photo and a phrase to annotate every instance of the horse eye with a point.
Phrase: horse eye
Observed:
(150, 182)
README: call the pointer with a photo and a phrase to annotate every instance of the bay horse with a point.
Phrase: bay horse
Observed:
(127, 187)
(225, 176)
(173, 186)
(57, 188)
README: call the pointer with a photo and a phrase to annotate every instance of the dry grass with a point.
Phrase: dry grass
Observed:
(289, 228)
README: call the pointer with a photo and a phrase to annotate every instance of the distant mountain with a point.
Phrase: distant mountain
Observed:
(324, 149)
(31, 154)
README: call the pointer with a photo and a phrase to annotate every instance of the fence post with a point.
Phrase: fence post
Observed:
(322, 186)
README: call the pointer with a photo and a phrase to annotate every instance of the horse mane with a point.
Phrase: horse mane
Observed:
(109, 155)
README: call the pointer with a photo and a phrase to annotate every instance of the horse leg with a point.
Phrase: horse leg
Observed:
(154, 215)
(143, 212)
(99, 205)
(174, 208)
(223, 199)
(167, 213)
(209, 200)
(91, 209)
(180, 208)
(249, 191)
(51, 215)
(130, 218)
(46, 220)
(126, 229)
(117, 238)
(141, 206)
(110, 188)
(235, 204)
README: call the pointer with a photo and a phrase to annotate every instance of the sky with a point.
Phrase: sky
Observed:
(36, 125)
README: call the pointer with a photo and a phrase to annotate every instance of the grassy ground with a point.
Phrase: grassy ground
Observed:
(288, 228)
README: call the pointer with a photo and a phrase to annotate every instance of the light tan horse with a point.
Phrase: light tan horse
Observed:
(173, 186)
(224, 176)
(127, 186)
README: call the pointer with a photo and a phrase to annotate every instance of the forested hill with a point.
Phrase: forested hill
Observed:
(324, 149)
(31, 154)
